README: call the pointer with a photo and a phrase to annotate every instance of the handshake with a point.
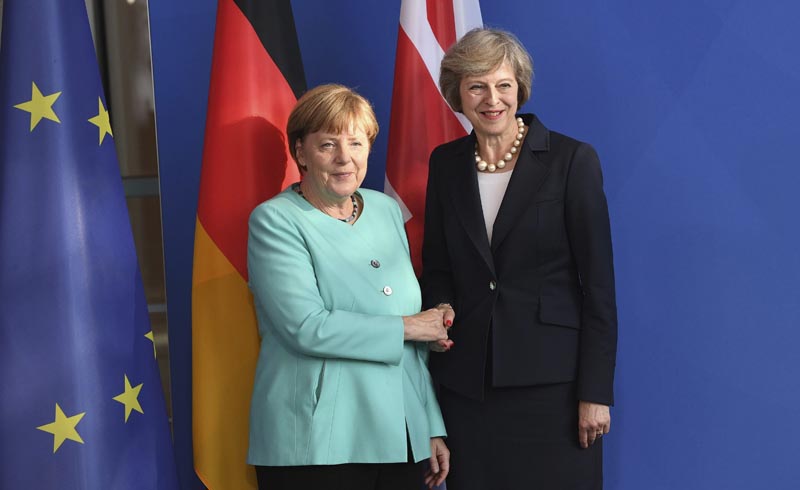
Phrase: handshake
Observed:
(431, 326)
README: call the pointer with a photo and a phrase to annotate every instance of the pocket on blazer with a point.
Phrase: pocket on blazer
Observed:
(560, 310)
(318, 386)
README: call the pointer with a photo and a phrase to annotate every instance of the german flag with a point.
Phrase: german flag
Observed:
(256, 78)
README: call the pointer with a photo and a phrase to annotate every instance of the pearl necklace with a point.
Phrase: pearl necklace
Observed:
(483, 166)
(349, 219)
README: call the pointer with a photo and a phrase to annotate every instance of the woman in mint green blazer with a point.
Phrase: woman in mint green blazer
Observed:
(342, 392)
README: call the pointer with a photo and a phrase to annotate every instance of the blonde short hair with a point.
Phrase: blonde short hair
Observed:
(482, 51)
(332, 108)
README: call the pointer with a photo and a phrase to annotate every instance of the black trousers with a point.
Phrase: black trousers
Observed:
(351, 476)
(519, 438)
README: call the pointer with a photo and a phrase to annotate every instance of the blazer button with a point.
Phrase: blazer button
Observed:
(374, 263)
(387, 290)
(492, 285)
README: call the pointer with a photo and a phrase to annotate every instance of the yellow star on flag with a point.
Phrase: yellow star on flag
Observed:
(152, 338)
(63, 428)
(130, 398)
(40, 106)
(101, 121)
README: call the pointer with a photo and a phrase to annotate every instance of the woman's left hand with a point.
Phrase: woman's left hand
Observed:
(440, 463)
(594, 421)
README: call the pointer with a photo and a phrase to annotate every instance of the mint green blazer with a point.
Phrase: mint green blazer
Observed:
(335, 382)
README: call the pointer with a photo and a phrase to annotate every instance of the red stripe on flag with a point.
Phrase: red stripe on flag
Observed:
(442, 22)
(245, 158)
(420, 121)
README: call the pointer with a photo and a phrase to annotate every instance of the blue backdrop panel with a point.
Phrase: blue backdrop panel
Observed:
(182, 37)
(691, 107)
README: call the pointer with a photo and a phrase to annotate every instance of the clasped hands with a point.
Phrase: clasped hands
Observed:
(430, 326)
(448, 317)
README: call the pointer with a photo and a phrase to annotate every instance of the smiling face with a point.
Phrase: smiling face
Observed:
(335, 163)
(489, 101)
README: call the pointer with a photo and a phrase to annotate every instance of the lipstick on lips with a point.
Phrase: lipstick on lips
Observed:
(493, 115)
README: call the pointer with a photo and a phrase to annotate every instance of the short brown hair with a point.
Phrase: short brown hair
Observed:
(481, 51)
(333, 108)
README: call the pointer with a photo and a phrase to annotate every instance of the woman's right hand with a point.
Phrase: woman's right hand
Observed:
(448, 318)
(425, 326)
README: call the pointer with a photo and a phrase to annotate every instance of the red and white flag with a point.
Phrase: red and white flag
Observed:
(421, 119)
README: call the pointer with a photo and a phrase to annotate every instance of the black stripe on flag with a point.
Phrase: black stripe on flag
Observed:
(274, 24)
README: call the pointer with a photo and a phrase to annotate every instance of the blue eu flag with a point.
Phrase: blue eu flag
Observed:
(81, 405)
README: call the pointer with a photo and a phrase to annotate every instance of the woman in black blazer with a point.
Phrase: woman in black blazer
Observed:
(517, 240)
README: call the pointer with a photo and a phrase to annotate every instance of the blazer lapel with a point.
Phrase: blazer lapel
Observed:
(467, 201)
(529, 173)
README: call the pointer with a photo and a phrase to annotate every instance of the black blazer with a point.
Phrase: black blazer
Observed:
(543, 289)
